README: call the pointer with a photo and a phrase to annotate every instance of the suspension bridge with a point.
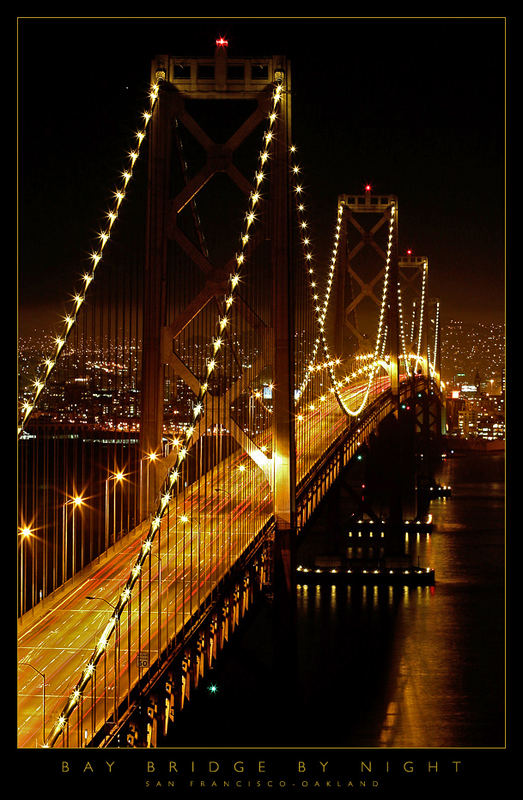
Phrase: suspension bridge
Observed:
(212, 377)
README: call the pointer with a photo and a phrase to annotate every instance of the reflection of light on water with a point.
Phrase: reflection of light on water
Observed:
(389, 723)
(443, 527)
(433, 663)
(375, 596)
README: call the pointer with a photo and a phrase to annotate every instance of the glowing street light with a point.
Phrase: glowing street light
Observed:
(150, 458)
(76, 502)
(117, 477)
(25, 534)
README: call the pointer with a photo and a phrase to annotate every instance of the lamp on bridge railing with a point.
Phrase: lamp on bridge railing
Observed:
(149, 458)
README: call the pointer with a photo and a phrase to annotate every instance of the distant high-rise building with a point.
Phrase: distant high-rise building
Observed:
(472, 350)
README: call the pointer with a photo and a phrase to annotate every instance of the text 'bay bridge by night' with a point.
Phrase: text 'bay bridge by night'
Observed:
(212, 378)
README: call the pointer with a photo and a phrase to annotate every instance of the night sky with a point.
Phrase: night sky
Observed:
(413, 106)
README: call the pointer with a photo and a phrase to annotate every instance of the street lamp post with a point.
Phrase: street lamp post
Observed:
(151, 459)
(229, 495)
(27, 664)
(140, 491)
(239, 543)
(106, 513)
(116, 652)
(64, 542)
(25, 533)
(159, 604)
(76, 503)
(117, 477)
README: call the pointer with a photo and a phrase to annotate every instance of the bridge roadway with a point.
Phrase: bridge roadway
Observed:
(59, 636)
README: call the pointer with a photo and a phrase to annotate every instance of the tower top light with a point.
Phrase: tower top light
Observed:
(221, 42)
(368, 187)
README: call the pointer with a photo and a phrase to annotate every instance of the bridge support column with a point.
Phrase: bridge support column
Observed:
(185, 680)
(283, 406)
(169, 195)
(393, 317)
(425, 477)
(211, 640)
(391, 476)
(152, 722)
(284, 452)
(284, 448)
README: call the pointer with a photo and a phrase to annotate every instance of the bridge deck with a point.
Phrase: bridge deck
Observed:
(187, 563)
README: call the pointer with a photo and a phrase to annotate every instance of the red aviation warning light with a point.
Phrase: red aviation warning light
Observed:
(368, 187)
(221, 42)
(409, 252)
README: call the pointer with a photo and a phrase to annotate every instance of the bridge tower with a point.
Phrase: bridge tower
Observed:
(439, 415)
(184, 83)
(430, 407)
(413, 275)
(364, 256)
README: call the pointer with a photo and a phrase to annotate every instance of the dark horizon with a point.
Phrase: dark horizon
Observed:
(413, 106)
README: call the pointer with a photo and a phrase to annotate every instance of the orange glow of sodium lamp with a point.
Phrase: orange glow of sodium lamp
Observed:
(76, 502)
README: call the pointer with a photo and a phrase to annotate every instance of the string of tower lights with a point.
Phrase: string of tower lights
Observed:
(47, 367)
(198, 409)
(321, 307)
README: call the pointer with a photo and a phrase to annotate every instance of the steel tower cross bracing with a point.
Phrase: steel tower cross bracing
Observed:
(184, 81)
(175, 584)
(413, 274)
(365, 277)
(356, 238)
